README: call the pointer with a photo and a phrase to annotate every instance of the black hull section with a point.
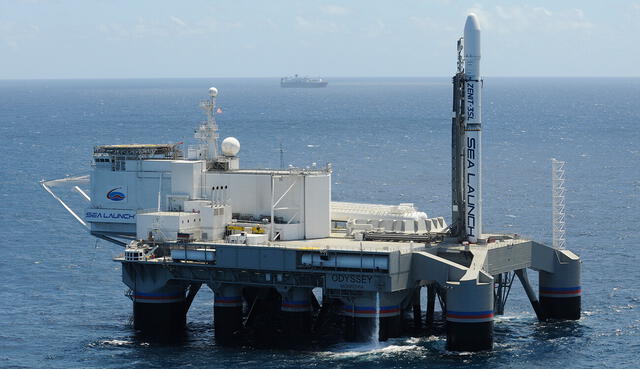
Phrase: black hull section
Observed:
(297, 326)
(362, 329)
(390, 327)
(469, 336)
(163, 320)
(227, 321)
(566, 308)
(358, 329)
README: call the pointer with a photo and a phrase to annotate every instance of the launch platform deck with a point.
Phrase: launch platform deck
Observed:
(264, 239)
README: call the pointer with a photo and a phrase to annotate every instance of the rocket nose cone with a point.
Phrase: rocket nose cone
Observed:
(472, 36)
(472, 23)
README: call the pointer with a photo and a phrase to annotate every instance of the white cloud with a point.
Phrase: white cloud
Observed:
(302, 22)
(430, 25)
(521, 18)
(115, 31)
(178, 21)
(315, 25)
(635, 10)
(335, 10)
(12, 34)
(272, 24)
(376, 29)
(574, 19)
(174, 26)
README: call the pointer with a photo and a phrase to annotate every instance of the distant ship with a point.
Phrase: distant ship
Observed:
(302, 82)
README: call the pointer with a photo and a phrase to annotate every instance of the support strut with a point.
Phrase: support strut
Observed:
(193, 291)
(431, 304)
(522, 276)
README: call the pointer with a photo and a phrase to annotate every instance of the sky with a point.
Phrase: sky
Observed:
(240, 38)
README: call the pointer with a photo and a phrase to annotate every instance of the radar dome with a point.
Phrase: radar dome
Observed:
(230, 146)
(213, 92)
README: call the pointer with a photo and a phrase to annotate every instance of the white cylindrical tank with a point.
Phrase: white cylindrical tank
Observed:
(347, 261)
(230, 146)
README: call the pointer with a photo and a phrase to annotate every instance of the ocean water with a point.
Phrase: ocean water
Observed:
(62, 303)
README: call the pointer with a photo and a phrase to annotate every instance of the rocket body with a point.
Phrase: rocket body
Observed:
(473, 130)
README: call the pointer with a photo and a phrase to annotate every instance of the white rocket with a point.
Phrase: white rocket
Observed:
(473, 129)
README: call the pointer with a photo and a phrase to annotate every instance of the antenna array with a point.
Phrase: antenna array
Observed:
(558, 201)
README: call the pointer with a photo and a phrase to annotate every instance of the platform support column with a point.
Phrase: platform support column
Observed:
(390, 322)
(560, 291)
(296, 313)
(359, 321)
(470, 314)
(417, 309)
(375, 313)
(227, 313)
(431, 306)
(161, 311)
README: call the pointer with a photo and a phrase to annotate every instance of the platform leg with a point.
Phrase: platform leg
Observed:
(417, 309)
(296, 314)
(560, 291)
(160, 312)
(358, 329)
(470, 315)
(265, 316)
(362, 318)
(227, 313)
(431, 306)
(390, 327)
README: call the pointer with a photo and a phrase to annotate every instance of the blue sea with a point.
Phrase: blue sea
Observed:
(62, 302)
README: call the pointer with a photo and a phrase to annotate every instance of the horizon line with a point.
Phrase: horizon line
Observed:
(278, 77)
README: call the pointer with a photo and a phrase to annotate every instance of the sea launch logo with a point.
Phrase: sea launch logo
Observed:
(115, 195)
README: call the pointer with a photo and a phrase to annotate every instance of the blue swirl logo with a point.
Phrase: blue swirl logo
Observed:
(115, 195)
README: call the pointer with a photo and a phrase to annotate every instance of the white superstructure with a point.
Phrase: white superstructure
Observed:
(152, 192)
(289, 204)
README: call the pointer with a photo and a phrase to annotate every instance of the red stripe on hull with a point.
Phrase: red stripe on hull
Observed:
(177, 297)
(573, 292)
(483, 316)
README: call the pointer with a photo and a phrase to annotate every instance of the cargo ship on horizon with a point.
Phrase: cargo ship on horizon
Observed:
(297, 81)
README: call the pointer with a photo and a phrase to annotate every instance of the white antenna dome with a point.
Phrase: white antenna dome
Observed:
(230, 146)
(213, 92)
